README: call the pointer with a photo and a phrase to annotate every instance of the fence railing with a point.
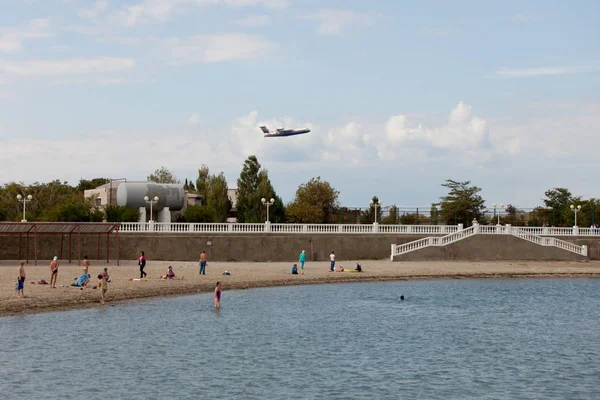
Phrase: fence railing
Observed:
(550, 242)
(182, 227)
(179, 227)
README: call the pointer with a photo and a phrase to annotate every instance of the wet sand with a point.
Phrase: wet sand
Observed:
(244, 275)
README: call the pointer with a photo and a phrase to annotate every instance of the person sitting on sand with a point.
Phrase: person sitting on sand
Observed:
(341, 269)
(82, 281)
(295, 270)
(358, 267)
(170, 273)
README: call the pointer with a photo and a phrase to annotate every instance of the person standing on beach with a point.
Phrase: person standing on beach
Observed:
(105, 275)
(103, 287)
(86, 264)
(54, 272)
(302, 259)
(21, 279)
(217, 296)
(332, 259)
(203, 259)
(142, 264)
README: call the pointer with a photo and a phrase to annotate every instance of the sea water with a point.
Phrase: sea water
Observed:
(449, 339)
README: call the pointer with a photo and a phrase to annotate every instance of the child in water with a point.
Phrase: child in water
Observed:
(217, 296)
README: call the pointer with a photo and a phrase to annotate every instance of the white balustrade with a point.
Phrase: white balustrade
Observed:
(185, 227)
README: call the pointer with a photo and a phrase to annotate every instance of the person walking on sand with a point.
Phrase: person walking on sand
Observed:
(53, 272)
(86, 264)
(21, 279)
(103, 287)
(203, 259)
(332, 259)
(302, 259)
(217, 296)
(142, 264)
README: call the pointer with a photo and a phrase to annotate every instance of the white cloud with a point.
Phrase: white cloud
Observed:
(214, 48)
(100, 6)
(67, 66)
(160, 10)
(333, 22)
(253, 20)
(463, 131)
(11, 41)
(194, 120)
(540, 71)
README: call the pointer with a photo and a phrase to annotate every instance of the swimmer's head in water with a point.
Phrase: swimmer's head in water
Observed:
(402, 297)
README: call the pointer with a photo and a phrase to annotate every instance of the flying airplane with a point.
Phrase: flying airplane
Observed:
(283, 132)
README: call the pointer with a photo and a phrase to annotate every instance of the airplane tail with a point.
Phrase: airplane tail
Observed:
(264, 129)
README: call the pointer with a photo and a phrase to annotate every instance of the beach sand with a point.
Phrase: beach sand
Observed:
(244, 275)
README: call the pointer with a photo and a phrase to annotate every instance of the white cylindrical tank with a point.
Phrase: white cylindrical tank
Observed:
(169, 195)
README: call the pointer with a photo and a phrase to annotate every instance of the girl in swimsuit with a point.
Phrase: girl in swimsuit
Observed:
(217, 296)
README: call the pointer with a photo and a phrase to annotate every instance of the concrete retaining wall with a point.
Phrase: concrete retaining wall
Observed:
(277, 247)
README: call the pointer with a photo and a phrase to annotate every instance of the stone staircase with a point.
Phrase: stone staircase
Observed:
(476, 229)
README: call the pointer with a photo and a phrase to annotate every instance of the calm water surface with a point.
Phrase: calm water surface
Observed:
(465, 339)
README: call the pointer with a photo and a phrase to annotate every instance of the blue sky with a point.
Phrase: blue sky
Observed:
(399, 95)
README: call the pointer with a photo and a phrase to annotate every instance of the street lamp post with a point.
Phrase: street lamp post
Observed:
(575, 209)
(375, 204)
(501, 206)
(151, 202)
(268, 204)
(24, 200)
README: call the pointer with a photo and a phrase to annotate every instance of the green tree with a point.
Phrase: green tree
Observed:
(85, 184)
(217, 198)
(433, 214)
(392, 217)
(199, 214)
(213, 189)
(462, 204)
(162, 175)
(248, 203)
(116, 213)
(253, 185)
(559, 200)
(315, 202)
(202, 181)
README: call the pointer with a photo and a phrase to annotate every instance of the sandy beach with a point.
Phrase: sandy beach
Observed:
(244, 275)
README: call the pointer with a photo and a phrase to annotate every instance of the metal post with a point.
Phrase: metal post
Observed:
(417, 215)
(27, 247)
(117, 235)
(35, 244)
(20, 239)
(79, 244)
(70, 246)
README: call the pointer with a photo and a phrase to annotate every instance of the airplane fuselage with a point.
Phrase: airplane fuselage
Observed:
(289, 132)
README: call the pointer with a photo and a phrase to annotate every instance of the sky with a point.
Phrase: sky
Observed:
(399, 95)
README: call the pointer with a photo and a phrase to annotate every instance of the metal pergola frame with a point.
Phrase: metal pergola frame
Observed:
(62, 229)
